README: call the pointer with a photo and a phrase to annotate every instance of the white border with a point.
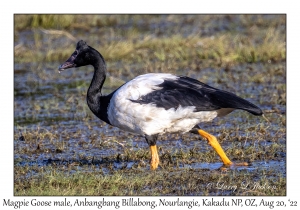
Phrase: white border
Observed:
(154, 6)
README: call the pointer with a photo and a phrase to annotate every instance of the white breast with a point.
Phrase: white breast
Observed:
(147, 118)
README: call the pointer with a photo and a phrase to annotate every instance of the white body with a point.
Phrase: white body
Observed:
(147, 118)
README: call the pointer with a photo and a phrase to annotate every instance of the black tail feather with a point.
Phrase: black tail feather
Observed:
(221, 98)
(186, 91)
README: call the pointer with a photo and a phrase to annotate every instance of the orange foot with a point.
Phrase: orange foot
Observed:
(240, 164)
(154, 158)
(233, 165)
(212, 141)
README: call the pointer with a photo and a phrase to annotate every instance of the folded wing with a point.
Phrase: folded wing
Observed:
(185, 91)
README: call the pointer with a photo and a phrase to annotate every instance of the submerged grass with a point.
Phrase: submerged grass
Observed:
(169, 181)
(127, 172)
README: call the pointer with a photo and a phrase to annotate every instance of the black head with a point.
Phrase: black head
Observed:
(82, 56)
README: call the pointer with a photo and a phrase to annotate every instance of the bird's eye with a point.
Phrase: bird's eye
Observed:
(75, 53)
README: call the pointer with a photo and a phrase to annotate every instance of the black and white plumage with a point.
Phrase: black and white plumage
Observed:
(160, 103)
(156, 103)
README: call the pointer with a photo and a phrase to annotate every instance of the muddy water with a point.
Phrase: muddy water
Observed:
(53, 124)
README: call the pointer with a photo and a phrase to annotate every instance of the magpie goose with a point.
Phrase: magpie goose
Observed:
(156, 103)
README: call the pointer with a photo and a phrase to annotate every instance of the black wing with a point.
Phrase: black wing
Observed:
(186, 91)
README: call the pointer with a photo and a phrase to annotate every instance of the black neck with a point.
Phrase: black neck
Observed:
(96, 102)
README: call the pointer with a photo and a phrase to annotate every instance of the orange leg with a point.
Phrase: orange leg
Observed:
(154, 157)
(217, 147)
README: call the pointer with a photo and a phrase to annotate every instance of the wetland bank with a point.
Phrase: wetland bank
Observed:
(61, 148)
